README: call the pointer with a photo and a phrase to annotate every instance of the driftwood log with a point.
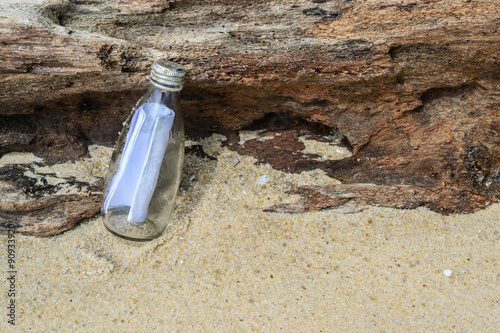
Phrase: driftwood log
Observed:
(413, 86)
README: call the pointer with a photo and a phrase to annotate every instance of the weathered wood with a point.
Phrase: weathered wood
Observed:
(31, 208)
(413, 86)
(350, 198)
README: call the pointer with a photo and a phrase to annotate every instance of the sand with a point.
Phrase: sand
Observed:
(225, 265)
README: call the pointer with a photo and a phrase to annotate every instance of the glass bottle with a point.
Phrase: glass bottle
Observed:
(146, 165)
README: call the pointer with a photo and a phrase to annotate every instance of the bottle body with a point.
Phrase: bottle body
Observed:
(145, 168)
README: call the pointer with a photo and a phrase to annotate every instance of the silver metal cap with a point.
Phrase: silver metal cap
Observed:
(167, 75)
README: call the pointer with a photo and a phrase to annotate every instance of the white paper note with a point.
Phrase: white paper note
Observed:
(135, 181)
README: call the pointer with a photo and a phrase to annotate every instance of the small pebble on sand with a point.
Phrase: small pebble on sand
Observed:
(262, 180)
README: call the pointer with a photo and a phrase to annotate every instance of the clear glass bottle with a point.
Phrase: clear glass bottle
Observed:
(146, 165)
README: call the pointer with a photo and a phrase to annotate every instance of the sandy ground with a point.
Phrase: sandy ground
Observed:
(225, 265)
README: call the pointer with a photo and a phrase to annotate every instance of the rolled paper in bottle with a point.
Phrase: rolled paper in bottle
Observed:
(135, 181)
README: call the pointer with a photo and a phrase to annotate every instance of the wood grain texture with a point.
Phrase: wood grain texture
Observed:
(412, 85)
(36, 208)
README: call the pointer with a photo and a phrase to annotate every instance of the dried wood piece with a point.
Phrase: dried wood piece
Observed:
(36, 208)
(346, 198)
(413, 86)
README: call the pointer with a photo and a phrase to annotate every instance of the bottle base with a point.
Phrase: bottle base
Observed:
(116, 221)
(129, 238)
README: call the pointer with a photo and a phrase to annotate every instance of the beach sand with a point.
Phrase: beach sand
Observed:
(226, 265)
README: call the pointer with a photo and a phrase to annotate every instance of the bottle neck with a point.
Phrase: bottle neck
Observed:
(171, 99)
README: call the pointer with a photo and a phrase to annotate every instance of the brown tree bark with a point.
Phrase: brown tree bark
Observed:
(412, 85)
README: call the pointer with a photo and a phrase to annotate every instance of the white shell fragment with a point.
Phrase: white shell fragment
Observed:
(448, 272)
(263, 179)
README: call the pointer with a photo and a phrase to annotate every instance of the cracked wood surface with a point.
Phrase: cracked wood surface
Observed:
(412, 85)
